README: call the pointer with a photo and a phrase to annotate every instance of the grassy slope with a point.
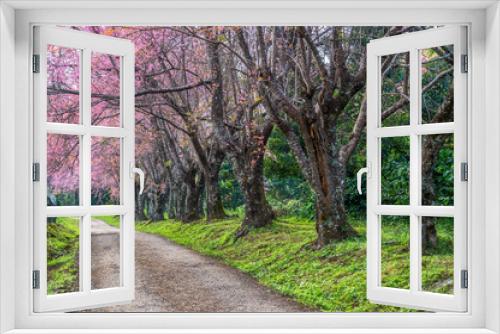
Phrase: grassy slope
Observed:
(62, 255)
(332, 279)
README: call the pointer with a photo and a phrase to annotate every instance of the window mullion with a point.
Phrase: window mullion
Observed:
(85, 249)
(414, 172)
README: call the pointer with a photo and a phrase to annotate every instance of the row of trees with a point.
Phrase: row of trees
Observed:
(212, 97)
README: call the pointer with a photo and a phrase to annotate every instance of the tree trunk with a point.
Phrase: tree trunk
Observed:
(245, 147)
(171, 212)
(429, 233)
(180, 202)
(431, 147)
(157, 207)
(193, 196)
(327, 180)
(258, 212)
(215, 209)
(210, 160)
(331, 217)
(140, 201)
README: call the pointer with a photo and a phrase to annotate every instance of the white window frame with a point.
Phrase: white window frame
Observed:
(86, 43)
(414, 43)
(483, 18)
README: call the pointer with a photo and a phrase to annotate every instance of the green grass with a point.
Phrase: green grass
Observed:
(278, 256)
(62, 255)
(332, 279)
(437, 265)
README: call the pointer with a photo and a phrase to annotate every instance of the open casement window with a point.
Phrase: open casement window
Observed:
(417, 171)
(83, 168)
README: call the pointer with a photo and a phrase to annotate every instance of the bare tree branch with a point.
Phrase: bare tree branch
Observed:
(52, 90)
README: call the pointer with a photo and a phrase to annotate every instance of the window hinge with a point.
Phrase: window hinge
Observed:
(464, 279)
(36, 172)
(464, 171)
(36, 279)
(465, 64)
(36, 63)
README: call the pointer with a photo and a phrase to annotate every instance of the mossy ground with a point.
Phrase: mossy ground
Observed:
(62, 255)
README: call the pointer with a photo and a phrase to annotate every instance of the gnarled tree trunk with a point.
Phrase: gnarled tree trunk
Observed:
(327, 179)
(331, 218)
(258, 212)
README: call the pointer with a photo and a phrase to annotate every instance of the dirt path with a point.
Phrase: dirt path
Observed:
(171, 278)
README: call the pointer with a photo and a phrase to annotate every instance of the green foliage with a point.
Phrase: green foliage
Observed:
(332, 279)
(230, 190)
(62, 255)
(443, 174)
(287, 190)
(280, 161)
(395, 176)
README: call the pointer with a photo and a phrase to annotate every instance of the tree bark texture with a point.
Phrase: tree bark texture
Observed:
(258, 212)
(194, 186)
(157, 204)
(215, 209)
(140, 203)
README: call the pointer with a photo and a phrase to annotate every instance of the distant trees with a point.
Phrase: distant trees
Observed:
(208, 97)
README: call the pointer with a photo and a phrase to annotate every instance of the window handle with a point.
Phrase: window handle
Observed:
(364, 170)
(134, 170)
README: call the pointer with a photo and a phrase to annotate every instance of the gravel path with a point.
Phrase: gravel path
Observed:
(171, 278)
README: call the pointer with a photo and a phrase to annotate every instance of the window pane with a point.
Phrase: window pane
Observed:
(437, 84)
(63, 253)
(63, 170)
(105, 89)
(395, 89)
(105, 171)
(395, 251)
(437, 254)
(395, 171)
(437, 170)
(63, 85)
(105, 235)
